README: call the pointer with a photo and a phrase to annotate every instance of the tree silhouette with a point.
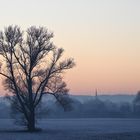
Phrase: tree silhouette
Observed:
(32, 67)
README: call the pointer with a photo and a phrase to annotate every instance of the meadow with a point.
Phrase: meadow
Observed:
(74, 129)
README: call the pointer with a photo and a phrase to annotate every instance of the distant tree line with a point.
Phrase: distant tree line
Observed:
(91, 108)
(95, 107)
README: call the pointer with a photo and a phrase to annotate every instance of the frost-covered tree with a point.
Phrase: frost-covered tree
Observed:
(32, 67)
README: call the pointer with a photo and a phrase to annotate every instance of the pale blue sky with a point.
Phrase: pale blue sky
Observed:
(102, 35)
(41, 12)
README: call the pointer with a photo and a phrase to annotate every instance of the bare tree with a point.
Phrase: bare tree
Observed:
(136, 104)
(32, 67)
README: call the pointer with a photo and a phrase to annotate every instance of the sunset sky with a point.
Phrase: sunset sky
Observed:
(103, 36)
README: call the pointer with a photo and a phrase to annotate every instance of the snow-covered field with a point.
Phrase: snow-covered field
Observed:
(74, 129)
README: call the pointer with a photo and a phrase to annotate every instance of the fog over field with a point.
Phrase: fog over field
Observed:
(104, 117)
(108, 106)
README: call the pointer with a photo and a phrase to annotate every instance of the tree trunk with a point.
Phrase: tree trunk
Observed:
(31, 121)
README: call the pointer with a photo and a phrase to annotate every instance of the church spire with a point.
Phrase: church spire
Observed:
(96, 93)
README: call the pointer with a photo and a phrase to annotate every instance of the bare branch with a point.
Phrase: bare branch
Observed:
(32, 66)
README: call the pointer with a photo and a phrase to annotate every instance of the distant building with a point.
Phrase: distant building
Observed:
(96, 94)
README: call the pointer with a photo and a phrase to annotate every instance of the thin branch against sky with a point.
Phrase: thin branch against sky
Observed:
(102, 36)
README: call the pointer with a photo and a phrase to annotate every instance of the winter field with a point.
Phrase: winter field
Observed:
(74, 129)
